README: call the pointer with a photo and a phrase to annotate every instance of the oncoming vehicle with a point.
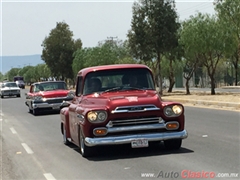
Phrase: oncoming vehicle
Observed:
(119, 104)
(20, 81)
(9, 89)
(48, 95)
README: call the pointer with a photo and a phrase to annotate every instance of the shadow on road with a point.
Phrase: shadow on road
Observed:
(106, 153)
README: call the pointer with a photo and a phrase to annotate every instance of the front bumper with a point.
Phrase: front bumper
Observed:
(10, 93)
(127, 139)
(54, 105)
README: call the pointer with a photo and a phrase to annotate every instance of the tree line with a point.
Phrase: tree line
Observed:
(202, 44)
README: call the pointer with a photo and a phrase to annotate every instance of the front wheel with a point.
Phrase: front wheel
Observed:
(35, 112)
(173, 144)
(65, 140)
(84, 150)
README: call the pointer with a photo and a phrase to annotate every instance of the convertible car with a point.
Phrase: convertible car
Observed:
(48, 95)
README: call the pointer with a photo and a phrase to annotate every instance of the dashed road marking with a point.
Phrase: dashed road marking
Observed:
(13, 130)
(49, 176)
(27, 148)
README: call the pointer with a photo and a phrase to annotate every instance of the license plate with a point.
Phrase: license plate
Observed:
(56, 107)
(139, 143)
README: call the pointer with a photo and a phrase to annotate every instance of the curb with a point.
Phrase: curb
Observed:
(203, 102)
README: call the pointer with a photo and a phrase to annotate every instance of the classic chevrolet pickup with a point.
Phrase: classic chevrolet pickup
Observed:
(119, 104)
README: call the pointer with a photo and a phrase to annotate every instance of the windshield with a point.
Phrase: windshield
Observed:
(118, 80)
(10, 85)
(50, 86)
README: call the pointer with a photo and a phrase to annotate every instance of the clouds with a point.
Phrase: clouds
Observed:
(26, 24)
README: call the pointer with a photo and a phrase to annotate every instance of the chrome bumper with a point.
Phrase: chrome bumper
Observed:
(55, 106)
(126, 139)
(46, 105)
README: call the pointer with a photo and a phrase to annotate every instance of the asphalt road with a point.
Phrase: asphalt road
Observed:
(32, 149)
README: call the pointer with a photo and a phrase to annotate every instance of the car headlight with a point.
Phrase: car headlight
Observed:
(37, 98)
(71, 94)
(96, 116)
(173, 111)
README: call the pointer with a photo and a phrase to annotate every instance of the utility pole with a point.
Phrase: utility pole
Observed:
(110, 39)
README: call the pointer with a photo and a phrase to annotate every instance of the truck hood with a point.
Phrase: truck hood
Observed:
(112, 100)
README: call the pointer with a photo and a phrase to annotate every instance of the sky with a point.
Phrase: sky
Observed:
(25, 24)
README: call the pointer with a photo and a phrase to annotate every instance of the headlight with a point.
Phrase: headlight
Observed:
(96, 116)
(71, 94)
(37, 98)
(174, 110)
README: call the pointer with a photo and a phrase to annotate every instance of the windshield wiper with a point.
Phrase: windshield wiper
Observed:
(112, 89)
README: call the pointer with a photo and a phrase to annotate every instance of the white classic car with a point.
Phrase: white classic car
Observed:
(9, 89)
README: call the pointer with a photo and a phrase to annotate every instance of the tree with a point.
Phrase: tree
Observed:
(153, 31)
(190, 56)
(12, 72)
(207, 42)
(228, 12)
(58, 49)
(107, 52)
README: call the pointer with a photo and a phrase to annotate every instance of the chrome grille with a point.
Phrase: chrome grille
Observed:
(51, 101)
(136, 121)
(139, 108)
(11, 91)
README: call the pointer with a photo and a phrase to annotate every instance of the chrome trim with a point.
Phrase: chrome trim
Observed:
(140, 127)
(138, 108)
(126, 139)
(134, 121)
(46, 105)
(136, 128)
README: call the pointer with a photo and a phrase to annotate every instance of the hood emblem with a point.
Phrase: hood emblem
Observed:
(132, 98)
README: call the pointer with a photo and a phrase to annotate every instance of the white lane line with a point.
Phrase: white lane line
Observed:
(49, 176)
(13, 130)
(27, 148)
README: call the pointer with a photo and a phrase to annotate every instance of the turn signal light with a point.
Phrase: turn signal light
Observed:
(172, 125)
(100, 132)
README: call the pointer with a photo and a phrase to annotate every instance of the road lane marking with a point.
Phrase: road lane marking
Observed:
(205, 135)
(49, 176)
(27, 148)
(13, 130)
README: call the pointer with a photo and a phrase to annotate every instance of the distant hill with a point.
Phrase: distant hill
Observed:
(9, 62)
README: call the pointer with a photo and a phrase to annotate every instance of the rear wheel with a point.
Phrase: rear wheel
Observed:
(84, 150)
(2, 96)
(173, 144)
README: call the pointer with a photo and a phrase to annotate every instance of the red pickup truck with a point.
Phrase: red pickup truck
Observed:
(119, 104)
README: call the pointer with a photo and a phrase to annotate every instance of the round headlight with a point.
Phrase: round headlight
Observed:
(102, 116)
(173, 111)
(177, 109)
(168, 111)
(70, 94)
(92, 116)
